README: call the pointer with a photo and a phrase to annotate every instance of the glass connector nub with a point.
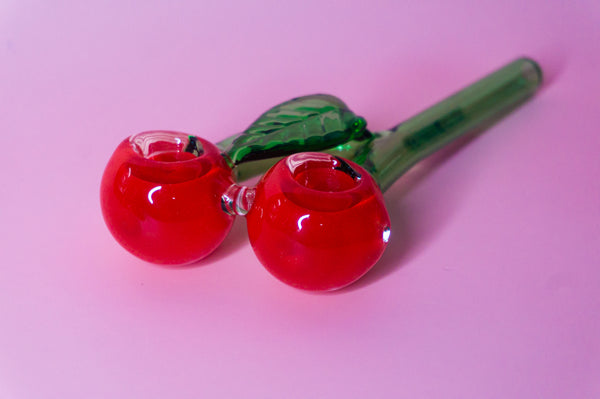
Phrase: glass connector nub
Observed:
(237, 200)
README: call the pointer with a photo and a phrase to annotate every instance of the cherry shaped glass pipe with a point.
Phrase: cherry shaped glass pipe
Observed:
(318, 222)
(169, 198)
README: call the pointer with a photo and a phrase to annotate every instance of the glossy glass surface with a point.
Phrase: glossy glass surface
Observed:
(309, 123)
(318, 222)
(161, 197)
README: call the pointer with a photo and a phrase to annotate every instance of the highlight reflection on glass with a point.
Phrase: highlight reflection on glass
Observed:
(155, 189)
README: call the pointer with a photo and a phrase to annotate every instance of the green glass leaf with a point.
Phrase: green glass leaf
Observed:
(310, 123)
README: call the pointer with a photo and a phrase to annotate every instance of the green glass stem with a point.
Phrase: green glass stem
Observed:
(392, 152)
(324, 123)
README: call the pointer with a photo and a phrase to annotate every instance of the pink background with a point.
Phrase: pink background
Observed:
(489, 287)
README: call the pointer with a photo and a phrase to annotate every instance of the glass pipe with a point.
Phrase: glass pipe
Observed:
(315, 220)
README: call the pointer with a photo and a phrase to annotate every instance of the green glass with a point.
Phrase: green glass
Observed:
(325, 123)
(311, 123)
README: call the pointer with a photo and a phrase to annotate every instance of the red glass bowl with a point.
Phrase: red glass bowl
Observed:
(161, 197)
(318, 222)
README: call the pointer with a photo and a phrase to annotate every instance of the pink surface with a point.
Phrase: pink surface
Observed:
(490, 285)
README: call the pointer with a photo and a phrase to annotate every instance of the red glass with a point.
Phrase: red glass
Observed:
(161, 198)
(318, 222)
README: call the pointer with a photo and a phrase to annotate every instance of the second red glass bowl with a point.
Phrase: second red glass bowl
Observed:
(318, 222)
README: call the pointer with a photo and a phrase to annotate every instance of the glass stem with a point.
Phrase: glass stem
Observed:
(474, 108)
